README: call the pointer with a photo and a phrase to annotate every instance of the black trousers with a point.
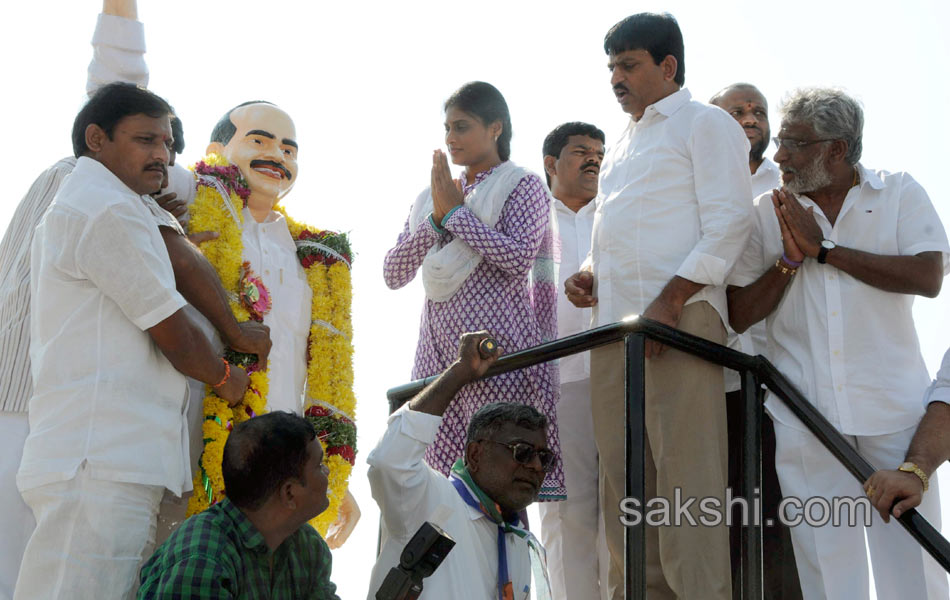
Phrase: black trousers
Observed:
(780, 576)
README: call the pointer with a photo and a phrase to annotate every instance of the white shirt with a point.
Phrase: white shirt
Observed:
(851, 348)
(118, 55)
(103, 393)
(765, 179)
(753, 341)
(939, 390)
(574, 229)
(409, 493)
(675, 199)
(273, 257)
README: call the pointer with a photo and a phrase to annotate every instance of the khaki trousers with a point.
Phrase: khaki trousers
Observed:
(685, 449)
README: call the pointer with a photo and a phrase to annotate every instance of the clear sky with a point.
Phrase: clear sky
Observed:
(365, 82)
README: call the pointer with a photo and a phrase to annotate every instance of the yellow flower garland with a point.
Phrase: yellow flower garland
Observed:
(330, 365)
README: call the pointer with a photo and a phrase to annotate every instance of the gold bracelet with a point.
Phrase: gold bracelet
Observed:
(790, 271)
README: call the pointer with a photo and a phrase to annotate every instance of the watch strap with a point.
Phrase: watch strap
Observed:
(909, 467)
(822, 255)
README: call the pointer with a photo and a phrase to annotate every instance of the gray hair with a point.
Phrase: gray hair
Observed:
(489, 419)
(831, 113)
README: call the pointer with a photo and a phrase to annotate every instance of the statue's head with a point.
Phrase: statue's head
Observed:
(261, 140)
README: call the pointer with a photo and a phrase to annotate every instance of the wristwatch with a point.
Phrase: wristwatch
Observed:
(909, 467)
(826, 247)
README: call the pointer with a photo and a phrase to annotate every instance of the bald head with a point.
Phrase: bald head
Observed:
(748, 106)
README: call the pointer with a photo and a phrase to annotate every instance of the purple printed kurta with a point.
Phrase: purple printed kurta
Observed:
(497, 297)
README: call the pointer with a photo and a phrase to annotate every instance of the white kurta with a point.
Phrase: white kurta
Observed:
(409, 493)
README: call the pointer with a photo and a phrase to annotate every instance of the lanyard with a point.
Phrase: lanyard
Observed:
(505, 591)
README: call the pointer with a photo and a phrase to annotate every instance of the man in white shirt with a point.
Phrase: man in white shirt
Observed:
(505, 460)
(748, 106)
(118, 55)
(834, 262)
(572, 530)
(109, 347)
(895, 491)
(672, 217)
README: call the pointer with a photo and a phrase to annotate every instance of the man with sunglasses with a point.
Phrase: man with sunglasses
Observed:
(478, 505)
(833, 265)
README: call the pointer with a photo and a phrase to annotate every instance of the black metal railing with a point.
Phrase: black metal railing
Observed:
(757, 373)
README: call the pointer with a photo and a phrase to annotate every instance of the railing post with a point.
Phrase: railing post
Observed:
(634, 543)
(750, 488)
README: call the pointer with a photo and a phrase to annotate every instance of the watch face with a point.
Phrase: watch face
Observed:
(827, 244)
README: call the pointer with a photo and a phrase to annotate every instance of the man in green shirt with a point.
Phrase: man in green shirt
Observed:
(256, 543)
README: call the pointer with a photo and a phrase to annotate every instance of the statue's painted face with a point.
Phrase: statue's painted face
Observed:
(264, 147)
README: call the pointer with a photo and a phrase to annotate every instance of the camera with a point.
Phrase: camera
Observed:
(419, 559)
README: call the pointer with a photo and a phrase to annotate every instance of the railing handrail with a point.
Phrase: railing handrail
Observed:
(918, 527)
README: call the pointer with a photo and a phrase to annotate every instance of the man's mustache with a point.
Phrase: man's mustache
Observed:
(159, 165)
(276, 165)
(620, 87)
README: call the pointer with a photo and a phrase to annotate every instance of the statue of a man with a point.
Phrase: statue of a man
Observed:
(293, 278)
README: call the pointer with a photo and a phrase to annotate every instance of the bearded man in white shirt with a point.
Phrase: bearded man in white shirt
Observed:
(834, 262)
(748, 106)
(506, 457)
(672, 217)
(110, 346)
(572, 530)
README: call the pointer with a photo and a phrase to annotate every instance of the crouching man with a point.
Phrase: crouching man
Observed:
(255, 543)
(506, 457)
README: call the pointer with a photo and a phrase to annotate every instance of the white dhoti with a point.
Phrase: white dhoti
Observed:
(831, 560)
(572, 530)
(16, 518)
(91, 537)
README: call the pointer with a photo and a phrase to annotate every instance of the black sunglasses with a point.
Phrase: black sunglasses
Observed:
(524, 453)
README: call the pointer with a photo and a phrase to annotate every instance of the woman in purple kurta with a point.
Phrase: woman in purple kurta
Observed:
(484, 245)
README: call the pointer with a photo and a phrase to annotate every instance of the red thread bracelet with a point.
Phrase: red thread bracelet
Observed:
(227, 374)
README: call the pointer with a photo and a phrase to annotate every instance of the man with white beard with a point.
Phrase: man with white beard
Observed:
(833, 264)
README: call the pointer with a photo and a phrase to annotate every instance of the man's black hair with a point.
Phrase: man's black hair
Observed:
(490, 418)
(261, 454)
(485, 102)
(557, 139)
(224, 130)
(658, 34)
(178, 133)
(110, 104)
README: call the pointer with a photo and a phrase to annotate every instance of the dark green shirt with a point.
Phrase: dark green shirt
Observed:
(220, 554)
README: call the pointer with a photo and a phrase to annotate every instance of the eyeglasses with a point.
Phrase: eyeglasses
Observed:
(524, 453)
(793, 145)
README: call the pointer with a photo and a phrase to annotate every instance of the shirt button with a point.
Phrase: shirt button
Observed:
(839, 388)
(837, 353)
(266, 271)
(830, 277)
(834, 314)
